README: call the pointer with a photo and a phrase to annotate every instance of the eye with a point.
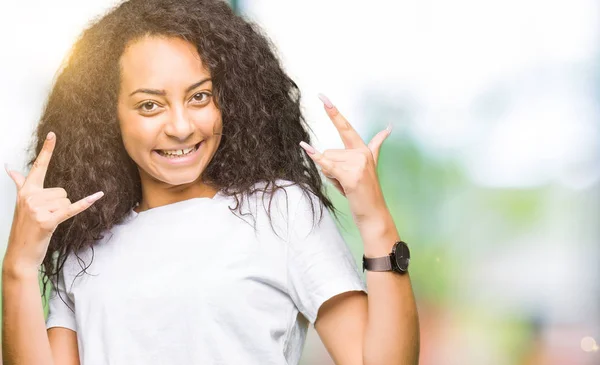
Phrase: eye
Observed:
(201, 97)
(148, 106)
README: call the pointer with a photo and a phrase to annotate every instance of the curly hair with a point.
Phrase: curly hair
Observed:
(260, 106)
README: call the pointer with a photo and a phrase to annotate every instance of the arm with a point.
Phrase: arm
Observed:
(379, 329)
(38, 212)
(24, 336)
(63, 342)
(24, 339)
(392, 333)
(383, 327)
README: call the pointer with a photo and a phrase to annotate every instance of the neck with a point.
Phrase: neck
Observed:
(156, 194)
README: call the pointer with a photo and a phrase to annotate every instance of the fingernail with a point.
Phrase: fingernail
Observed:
(50, 135)
(94, 197)
(326, 101)
(308, 148)
(389, 128)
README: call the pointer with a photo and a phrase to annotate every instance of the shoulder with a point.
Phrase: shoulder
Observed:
(282, 205)
(289, 198)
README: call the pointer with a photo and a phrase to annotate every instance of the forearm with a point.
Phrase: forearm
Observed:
(24, 336)
(392, 331)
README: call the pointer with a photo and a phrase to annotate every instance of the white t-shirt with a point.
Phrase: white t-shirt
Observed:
(191, 283)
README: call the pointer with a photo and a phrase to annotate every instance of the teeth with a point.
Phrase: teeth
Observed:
(178, 152)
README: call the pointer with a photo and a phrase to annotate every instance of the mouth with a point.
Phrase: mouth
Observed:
(176, 154)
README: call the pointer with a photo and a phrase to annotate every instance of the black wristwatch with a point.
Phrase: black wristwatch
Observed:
(396, 261)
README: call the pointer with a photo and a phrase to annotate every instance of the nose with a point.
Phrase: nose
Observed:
(180, 125)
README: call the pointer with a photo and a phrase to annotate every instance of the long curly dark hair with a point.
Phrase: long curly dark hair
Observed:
(260, 106)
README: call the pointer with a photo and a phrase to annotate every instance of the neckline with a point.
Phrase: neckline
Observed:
(178, 204)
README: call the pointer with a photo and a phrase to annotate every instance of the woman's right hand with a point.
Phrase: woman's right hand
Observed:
(38, 212)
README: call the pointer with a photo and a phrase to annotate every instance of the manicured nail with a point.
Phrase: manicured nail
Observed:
(326, 101)
(308, 148)
(50, 135)
(389, 128)
(6, 168)
(94, 197)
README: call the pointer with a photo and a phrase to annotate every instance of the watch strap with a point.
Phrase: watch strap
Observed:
(377, 263)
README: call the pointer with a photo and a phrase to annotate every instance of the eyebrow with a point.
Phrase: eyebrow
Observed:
(163, 92)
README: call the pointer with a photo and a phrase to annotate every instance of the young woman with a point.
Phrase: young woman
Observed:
(175, 205)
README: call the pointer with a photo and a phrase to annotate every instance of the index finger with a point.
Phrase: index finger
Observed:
(40, 165)
(350, 137)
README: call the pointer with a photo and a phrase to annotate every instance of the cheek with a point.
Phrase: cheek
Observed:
(208, 121)
(137, 133)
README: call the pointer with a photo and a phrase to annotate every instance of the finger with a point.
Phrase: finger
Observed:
(16, 177)
(55, 205)
(317, 157)
(40, 166)
(53, 194)
(375, 143)
(40, 198)
(79, 206)
(327, 174)
(350, 137)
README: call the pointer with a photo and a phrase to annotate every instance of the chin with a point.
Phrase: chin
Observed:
(180, 179)
(173, 177)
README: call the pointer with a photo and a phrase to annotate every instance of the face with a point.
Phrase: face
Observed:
(167, 113)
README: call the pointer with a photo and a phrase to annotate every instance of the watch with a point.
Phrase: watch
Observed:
(396, 261)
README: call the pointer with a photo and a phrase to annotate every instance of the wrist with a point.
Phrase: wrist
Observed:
(14, 271)
(379, 219)
(379, 236)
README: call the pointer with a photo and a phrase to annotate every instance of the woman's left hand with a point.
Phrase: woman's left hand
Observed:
(352, 170)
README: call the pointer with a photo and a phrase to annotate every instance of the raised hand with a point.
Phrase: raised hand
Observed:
(38, 211)
(352, 170)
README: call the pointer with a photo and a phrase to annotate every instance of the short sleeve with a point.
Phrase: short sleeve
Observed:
(61, 309)
(320, 264)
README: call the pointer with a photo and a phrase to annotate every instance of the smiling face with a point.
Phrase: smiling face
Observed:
(168, 117)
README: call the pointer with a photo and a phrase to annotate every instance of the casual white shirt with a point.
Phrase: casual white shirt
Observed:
(193, 283)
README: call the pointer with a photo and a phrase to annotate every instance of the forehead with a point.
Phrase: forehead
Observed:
(155, 61)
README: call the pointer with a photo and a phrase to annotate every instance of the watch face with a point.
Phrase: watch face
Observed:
(402, 255)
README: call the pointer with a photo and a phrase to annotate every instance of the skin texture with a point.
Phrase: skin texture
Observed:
(167, 115)
(63, 343)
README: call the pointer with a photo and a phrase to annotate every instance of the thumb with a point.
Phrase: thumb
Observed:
(375, 143)
(15, 176)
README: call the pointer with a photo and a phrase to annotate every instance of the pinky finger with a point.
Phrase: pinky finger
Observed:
(319, 159)
(77, 207)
